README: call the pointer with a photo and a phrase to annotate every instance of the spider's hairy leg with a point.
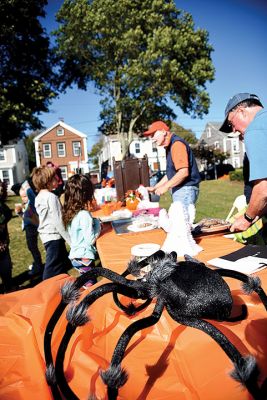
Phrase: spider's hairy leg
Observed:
(246, 370)
(134, 267)
(250, 283)
(69, 294)
(115, 376)
(130, 309)
(77, 316)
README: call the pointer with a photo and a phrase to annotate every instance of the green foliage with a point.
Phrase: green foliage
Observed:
(28, 141)
(140, 55)
(236, 175)
(27, 83)
(186, 134)
(94, 153)
(209, 155)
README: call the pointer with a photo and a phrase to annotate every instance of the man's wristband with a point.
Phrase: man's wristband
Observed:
(248, 218)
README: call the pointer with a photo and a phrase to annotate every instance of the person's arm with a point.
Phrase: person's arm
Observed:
(161, 182)
(256, 208)
(56, 214)
(180, 160)
(176, 180)
(89, 229)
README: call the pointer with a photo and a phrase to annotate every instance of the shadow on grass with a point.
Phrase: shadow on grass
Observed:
(23, 281)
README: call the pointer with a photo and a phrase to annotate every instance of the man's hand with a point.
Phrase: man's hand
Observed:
(150, 188)
(161, 189)
(240, 224)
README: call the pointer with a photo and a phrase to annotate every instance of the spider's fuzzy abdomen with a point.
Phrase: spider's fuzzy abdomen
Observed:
(198, 291)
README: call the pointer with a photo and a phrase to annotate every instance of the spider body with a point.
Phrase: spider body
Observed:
(192, 289)
(188, 290)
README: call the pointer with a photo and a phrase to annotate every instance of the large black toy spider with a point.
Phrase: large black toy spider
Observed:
(188, 290)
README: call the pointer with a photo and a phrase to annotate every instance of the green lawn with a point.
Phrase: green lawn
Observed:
(215, 200)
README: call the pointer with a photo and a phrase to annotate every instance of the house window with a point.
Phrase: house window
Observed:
(216, 145)
(79, 170)
(2, 155)
(61, 150)
(208, 132)
(235, 145)
(236, 162)
(137, 147)
(154, 147)
(64, 172)
(60, 132)
(47, 150)
(5, 176)
(76, 148)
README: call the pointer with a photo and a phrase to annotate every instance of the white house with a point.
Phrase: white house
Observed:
(138, 148)
(14, 164)
(213, 137)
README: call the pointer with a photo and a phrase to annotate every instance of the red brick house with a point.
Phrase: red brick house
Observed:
(65, 147)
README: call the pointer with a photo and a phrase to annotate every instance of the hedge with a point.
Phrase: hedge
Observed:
(236, 175)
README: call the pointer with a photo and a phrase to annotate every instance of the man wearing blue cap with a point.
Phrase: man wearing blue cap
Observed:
(245, 117)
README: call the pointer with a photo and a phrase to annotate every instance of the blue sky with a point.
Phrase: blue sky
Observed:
(237, 31)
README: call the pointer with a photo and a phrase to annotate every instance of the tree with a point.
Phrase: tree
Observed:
(211, 159)
(186, 134)
(28, 141)
(94, 153)
(27, 82)
(140, 54)
(209, 154)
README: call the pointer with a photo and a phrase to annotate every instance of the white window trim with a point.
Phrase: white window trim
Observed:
(46, 151)
(64, 172)
(61, 130)
(137, 148)
(235, 146)
(9, 175)
(236, 162)
(64, 149)
(154, 147)
(76, 148)
(4, 154)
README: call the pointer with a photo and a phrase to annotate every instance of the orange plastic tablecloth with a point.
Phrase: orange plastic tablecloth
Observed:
(167, 361)
(115, 250)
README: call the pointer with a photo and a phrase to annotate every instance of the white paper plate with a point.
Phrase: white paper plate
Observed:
(144, 249)
(136, 228)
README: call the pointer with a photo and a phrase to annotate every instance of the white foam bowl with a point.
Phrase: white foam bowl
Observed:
(144, 249)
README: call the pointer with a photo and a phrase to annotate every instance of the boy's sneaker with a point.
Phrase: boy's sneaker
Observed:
(30, 267)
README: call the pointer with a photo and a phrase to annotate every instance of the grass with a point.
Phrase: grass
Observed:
(215, 198)
(20, 255)
(215, 201)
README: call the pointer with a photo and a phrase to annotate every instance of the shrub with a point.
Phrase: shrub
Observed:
(236, 175)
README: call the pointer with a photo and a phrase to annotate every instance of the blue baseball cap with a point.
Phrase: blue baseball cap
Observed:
(232, 103)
